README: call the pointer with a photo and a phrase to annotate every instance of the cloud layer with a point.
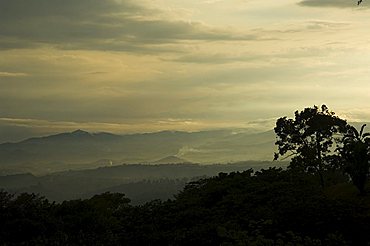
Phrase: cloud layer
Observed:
(123, 25)
(333, 3)
(148, 65)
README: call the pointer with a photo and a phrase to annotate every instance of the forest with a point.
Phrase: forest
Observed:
(321, 198)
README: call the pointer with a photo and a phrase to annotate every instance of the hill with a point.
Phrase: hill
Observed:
(142, 182)
(171, 160)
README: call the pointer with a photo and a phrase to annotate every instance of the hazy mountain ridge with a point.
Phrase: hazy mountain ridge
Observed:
(81, 149)
(171, 160)
(143, 182)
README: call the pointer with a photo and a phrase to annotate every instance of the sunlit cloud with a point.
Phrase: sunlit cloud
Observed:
(133, 66)
(11, 74)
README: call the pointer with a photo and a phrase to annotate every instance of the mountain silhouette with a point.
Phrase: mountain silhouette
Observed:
(81, 149)
(171, 160)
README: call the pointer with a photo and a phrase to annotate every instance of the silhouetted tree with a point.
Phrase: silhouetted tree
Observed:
(356, 156)
(309, 139)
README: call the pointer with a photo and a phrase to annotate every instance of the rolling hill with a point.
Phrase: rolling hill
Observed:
(141, 182)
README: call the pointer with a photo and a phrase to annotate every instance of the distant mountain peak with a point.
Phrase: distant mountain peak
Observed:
(171, 160)
(80, 132)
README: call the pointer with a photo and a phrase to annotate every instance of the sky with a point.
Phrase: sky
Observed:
(126, 66)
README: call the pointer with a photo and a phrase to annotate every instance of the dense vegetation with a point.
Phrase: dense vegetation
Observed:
(272, 207)
(319, 141)
(312, 202)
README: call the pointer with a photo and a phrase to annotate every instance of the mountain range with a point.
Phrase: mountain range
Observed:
(80, 149)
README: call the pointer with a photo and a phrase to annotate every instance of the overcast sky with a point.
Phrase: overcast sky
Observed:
(148, 65)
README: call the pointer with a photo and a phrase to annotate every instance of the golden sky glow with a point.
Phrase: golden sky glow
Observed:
(131, 66)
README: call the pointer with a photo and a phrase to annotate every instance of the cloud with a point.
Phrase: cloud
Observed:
(10, 74)
(355, 114)
(333, 3)
(217, 58)
(58, 62)
(263, 124)
(122, 25)
(324, 24)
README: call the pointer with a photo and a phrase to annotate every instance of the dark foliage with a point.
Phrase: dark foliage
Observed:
(271, 207)
(309, 139)
(321, 143)
(355, 154)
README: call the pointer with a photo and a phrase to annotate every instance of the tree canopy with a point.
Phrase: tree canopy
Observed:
(309, 138)
(355, 154)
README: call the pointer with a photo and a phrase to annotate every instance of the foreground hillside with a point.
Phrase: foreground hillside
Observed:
(272, 207)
